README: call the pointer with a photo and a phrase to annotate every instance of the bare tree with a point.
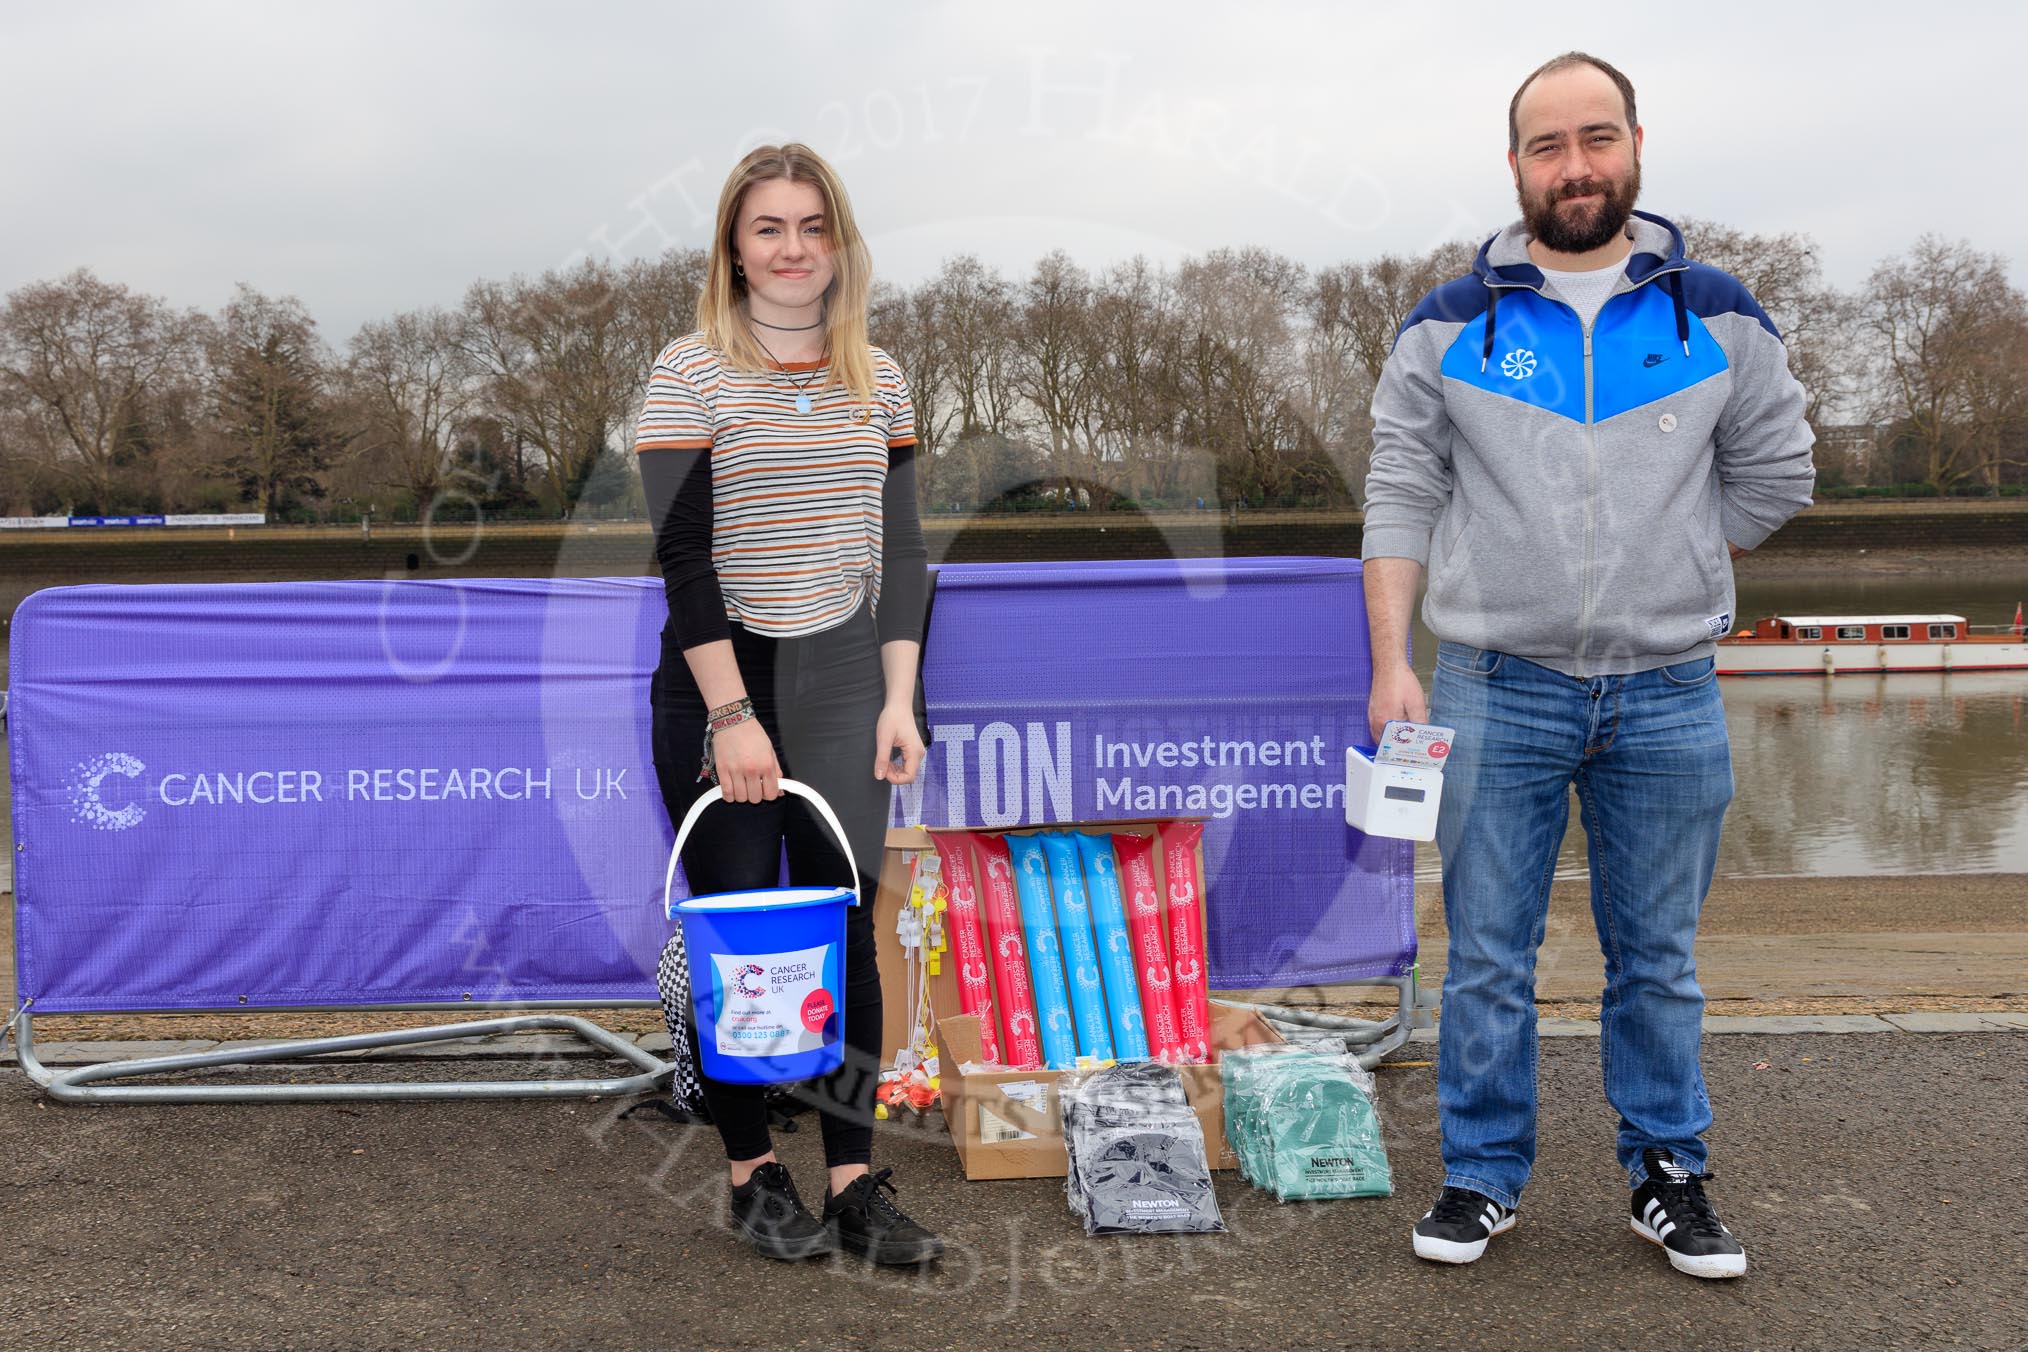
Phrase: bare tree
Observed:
(1816, 321)
(1055, 370)
(978, 410)
(1237, 310)
(88, 357)
(412, 382)
(1137, 333)
(1365, 304)
(565, 360)
(27, 460)
(661, 299)
(1951, 334)
(905, 325)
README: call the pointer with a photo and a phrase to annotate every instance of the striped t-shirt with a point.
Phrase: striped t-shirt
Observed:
(796, 497)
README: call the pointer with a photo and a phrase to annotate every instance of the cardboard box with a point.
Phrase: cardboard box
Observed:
(893, 895)
(1009, 1124)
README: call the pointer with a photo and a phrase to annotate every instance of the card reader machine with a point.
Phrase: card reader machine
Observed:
(1395, 790)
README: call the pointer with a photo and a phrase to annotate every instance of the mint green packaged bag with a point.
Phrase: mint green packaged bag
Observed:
(1300, 1118)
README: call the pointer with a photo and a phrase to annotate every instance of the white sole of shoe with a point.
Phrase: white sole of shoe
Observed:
(1446, 1251)
(1708, 1265)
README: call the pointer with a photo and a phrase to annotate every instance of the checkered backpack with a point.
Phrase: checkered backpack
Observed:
(672, 983)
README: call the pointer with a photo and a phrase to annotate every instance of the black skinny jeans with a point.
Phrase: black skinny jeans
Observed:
(818, 696)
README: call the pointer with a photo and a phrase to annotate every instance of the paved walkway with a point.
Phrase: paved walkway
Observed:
(1877, 1181)
(547, 1046)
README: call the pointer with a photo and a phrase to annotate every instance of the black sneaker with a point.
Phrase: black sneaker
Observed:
(1672, 1210)
(864, 1220)
(767, 1211)
(1456, 1229)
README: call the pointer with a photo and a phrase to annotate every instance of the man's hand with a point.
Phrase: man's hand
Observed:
(1396, 694)
(1736, 550)
(1390, 600)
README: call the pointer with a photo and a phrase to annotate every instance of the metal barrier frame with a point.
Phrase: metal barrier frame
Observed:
(1368, 1039)
(82, 1084)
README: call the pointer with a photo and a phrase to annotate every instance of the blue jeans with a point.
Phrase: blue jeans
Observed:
(1648, 756)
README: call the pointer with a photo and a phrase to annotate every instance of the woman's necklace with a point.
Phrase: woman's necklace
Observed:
(802, 394)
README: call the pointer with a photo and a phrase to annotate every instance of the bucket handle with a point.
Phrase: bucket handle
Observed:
(714, 795)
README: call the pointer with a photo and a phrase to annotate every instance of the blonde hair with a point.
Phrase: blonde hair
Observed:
(721, 307)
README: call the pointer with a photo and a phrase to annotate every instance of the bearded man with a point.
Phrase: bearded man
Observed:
(1575, 439)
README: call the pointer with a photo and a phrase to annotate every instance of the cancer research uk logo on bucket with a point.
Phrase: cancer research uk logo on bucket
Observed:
(776, 1003)
(742, 981)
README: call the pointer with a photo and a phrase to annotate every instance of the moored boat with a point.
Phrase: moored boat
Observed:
(1852, 645)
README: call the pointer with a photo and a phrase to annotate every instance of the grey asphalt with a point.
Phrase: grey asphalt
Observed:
(1878, 1182)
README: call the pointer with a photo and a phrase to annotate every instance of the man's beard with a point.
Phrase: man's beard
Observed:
(1581, 232)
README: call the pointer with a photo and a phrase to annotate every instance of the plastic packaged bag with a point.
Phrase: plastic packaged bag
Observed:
(1115, 946)
(1021, 1044)
(1302, 1122)
(1151, 951)
(1045, 952)
(1137, 1158)
(1080, 949)
(968, 940)
(1186, 937)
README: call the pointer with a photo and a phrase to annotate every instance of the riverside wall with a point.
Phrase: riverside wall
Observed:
(53, 557)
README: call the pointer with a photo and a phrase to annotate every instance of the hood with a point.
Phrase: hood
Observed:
(1503, 262)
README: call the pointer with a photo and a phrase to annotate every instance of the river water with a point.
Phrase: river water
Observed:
(1844, 776)
(1864, 775)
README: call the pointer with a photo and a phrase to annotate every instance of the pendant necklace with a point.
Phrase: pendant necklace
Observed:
(802, 394)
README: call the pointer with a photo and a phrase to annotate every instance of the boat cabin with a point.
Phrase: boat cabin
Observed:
(1857, 629)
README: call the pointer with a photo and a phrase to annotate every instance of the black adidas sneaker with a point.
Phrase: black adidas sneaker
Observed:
(1456, 1229)
(1672, 1210)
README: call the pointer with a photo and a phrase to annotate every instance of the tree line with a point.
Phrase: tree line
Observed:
(1233, 377)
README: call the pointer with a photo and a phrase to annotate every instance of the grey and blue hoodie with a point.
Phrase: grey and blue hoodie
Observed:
(1571, 490)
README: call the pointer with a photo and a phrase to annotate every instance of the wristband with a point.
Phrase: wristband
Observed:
(742, 711)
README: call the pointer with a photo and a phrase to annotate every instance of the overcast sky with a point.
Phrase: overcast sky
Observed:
(375, 157)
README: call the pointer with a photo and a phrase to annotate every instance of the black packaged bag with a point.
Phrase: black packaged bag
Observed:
(1137, 1160)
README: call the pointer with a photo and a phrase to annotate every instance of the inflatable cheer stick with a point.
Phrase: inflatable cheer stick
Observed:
(1151, 955)
(1045, 965)
(1002, 914)
(1115, 945)
(1186, 937)
(975, 996)
(1080, 953)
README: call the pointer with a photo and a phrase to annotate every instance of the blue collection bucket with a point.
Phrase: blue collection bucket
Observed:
(766, 967)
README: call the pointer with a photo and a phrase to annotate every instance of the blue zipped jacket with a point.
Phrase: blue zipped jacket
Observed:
(1571, 491)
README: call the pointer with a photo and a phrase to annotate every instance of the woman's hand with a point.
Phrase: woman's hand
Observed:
(744, 757)
(896, 731)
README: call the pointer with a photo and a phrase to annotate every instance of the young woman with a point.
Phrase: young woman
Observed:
(777, 452)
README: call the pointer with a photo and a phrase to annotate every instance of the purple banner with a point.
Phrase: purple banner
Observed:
(1227, 688)
(348, 793)
(335, 793)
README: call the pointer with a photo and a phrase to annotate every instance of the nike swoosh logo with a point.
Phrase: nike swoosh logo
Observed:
(1654, 359)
